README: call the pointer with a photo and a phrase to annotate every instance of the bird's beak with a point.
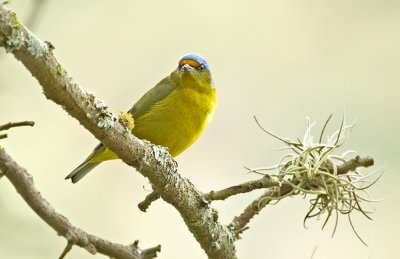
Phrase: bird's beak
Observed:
(187, 68)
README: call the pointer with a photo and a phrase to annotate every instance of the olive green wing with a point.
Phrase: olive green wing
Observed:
(154, 95)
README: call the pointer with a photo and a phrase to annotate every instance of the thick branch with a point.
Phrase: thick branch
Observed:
(265, 182)
(153, 162)
(24, 185)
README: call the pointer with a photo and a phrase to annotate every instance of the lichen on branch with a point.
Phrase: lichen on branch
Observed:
(151, 161)
(23, 183)
(310, 169)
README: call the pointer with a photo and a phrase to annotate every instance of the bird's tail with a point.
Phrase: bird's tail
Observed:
(79, 172)
(99, 154)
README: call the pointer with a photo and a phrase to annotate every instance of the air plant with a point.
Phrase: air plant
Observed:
(313, 169)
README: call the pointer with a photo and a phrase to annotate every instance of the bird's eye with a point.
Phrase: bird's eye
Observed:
(202, 67)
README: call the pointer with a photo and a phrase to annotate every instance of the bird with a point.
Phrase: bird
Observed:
(172, 114)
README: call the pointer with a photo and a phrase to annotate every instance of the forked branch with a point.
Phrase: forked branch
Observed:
(153, 162)
(23, 183)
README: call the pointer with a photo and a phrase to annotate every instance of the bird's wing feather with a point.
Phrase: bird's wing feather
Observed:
(153, 96)
(141, 107)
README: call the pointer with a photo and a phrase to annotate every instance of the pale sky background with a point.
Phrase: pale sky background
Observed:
(278, 60)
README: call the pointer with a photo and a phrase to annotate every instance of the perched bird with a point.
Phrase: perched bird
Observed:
(172, 114)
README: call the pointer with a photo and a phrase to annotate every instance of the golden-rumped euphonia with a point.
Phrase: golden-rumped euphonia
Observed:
(172, 114)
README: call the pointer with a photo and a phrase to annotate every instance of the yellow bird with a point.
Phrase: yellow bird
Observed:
(172, 114)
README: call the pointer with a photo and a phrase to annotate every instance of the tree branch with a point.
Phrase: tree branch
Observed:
(153, 162)
(149, 252)
(144, 205)
(239, 223)
(12, 125)
(352, 165)
(265, 182)
(66, 250)
(16, 124)
(23, 183)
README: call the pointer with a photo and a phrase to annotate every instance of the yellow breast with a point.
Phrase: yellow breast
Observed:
(178, 120)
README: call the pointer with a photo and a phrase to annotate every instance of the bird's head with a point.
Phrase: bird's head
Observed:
(193, 70)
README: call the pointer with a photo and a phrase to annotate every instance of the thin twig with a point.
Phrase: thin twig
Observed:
(66, 250)
(16, 124)
(13, 125)
(144, 205)
(239, 223)
(151, 252)
(148, 252)
(265, 182)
